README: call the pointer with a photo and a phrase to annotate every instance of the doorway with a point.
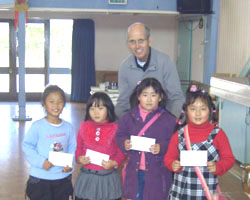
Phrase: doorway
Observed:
(184, 55)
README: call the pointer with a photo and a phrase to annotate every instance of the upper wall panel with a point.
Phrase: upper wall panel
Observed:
(7, 4)
(157, 5)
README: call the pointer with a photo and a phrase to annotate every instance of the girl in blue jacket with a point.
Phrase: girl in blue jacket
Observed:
(145, 177)
(51, 133)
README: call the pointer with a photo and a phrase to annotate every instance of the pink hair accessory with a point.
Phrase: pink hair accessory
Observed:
(182, 112)
(193, 88)
(214, 111)
(139, 82)
(179, 121)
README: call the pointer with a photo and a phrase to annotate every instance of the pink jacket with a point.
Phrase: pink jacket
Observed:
(87, 138)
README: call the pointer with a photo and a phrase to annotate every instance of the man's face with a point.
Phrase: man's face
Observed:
(138, 42)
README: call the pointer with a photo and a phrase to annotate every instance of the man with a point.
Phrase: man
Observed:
(147, 62)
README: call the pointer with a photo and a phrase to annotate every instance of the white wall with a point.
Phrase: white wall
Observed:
(233, 48)
(111, 35)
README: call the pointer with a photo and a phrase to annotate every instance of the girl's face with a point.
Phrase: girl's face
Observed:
(149, 99)
(198, 112)
(54, 104)
(98, 113)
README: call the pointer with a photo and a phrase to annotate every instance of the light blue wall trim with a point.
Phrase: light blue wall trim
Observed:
(21, 68)
(161, 5)
(210, 49)
(7, 2)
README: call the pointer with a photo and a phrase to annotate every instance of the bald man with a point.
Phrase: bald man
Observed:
(145, 62)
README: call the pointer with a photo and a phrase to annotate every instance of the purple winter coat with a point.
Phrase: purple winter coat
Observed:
(158, 178)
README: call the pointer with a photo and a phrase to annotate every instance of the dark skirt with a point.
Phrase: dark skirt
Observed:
(98, 184)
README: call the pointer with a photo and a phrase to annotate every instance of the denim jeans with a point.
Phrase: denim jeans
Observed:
(141, 182)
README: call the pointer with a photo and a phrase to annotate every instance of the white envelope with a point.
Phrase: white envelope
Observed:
(141, 143)
(96, 157)
(193, 158)
(60, 158)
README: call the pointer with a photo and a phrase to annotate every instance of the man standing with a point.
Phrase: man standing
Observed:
(147, 62)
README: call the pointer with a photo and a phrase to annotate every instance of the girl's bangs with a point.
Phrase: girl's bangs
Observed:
(194, 97)
(96, 102)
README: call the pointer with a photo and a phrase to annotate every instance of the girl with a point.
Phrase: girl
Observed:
(97, 133)
(51, 133)
(145, 174)
(199, 111)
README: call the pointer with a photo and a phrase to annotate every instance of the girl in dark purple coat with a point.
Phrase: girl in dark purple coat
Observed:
(145, 176)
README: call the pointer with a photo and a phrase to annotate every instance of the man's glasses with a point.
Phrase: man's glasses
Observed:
(140, 41)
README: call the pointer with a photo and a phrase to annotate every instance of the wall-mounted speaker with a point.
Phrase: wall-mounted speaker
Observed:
(194, 6)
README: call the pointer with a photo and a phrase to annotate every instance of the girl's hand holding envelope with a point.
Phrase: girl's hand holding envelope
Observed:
(67, 169)
(109, 164)
(83, 160)
(155, 149)
(127, 145)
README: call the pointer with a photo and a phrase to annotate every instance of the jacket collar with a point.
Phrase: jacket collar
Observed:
(152, 62)
(135, 112)
(92, 123)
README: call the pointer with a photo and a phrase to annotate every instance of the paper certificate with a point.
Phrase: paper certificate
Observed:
(193, 158)
(96, 157)
(141, 143)
(60, 158)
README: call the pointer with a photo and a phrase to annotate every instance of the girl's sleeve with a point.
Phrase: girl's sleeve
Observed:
(79, 142)
(29, 147)
(227, 159)
(117, 155)
(164, 144)
(122, 133)
(172, 152)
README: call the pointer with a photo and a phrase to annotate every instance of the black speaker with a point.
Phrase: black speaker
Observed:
(194, 6)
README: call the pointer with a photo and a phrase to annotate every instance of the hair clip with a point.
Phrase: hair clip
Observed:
(183, 112)
(178, 121)
(193, 88)
(139, 82)
(214, 111)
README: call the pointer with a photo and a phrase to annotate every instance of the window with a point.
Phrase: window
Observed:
(60, 43)
(4, 57)
(61, 53)
(48, 56)
(34, 45)
(33, 83)
(62, 80)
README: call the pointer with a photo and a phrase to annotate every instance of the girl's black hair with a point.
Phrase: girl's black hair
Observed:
(97, 99)
(51, 89)
(145, 83)
(193, 93)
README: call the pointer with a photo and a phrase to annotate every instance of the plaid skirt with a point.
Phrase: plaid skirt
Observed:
(98, 184)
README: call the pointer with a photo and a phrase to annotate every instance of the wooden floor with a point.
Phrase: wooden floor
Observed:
(14, 169)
